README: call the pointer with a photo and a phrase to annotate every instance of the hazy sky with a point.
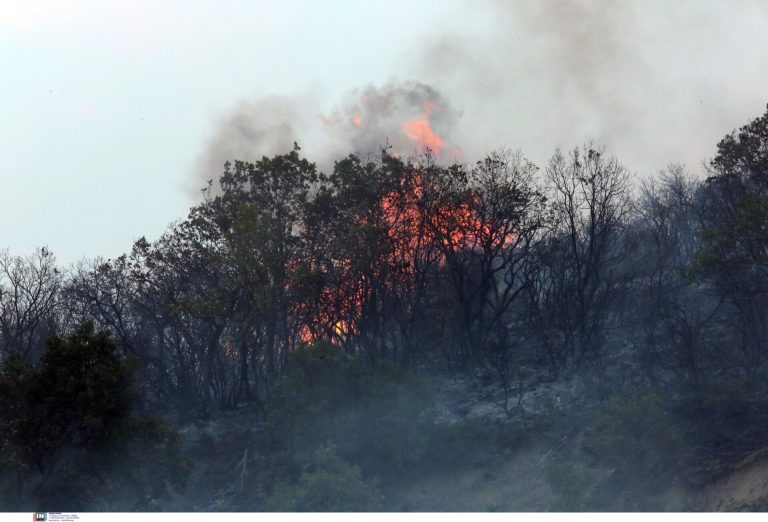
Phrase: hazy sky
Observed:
(113, 112)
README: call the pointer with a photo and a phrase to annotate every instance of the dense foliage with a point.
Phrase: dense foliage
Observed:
(68, 434)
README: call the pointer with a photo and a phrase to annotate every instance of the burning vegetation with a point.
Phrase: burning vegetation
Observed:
(331, 309)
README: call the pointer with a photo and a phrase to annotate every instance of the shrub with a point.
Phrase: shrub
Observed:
(68, 435)
(327, 483)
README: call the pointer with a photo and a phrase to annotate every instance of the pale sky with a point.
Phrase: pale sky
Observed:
(107, 106)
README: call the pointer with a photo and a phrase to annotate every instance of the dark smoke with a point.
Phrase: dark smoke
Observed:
(373, 116)
(367, 120)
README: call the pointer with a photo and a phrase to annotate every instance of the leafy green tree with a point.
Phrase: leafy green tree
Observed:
(77, 398)
(66, 427)
(276, 191)
(734, 254)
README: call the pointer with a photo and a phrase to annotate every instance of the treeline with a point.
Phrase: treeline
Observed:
(436, 268)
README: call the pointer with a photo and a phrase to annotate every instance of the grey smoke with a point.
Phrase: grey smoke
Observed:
(367, 120)
(654, 81)
(381, 113)
(250, 130)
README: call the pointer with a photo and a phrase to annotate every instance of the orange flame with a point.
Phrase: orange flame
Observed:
(357, 120)
(419, 130)
(413, 230)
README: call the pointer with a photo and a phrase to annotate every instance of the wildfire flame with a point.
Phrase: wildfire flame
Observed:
(419, 131)
(415, 233)
(418, 230)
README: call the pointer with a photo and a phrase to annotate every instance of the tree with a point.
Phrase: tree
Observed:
(349, 243)
(372, 256)
(677, 315)
(276, 190)
(734, 254)
(73, 414)
(591, 205)
(29, 292)
(485, 223)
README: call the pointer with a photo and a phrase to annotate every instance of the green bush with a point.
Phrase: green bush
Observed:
(327, 483)
(69, 438)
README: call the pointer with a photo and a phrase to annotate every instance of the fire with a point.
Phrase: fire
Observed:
(338, 331)
(418, 130)
(408, 134)
(337, 315)
(420, 230)
(418, 233)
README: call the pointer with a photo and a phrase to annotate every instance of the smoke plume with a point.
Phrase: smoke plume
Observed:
(407, 118)
(656, 82)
